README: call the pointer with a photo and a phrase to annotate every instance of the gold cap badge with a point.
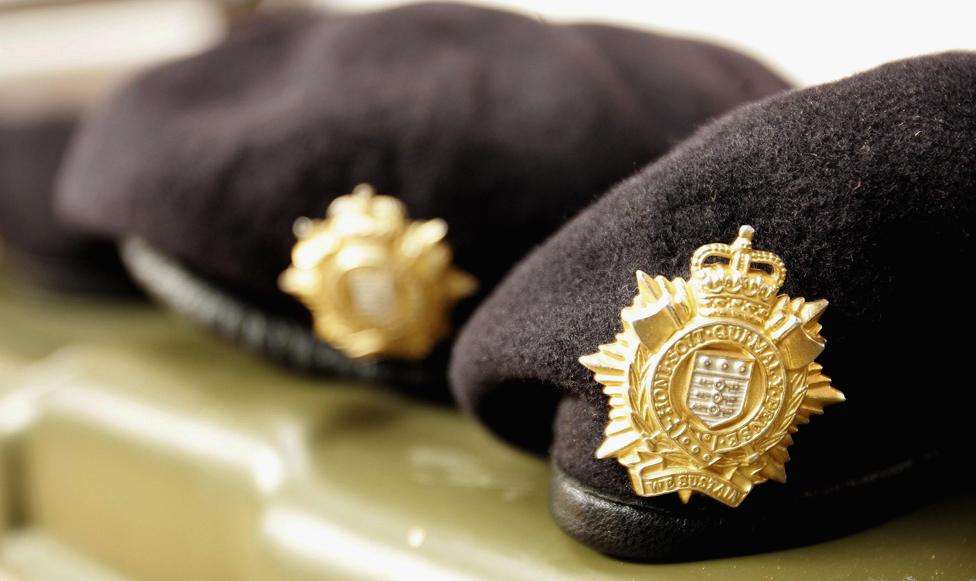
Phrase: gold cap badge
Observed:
(376, 282)
(711, 376)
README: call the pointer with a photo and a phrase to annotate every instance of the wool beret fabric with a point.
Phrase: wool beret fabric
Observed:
(39, 245)
(502, 125)
(866, 187)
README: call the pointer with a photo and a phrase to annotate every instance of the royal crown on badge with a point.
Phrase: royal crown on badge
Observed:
(710, 377)
(376, 283)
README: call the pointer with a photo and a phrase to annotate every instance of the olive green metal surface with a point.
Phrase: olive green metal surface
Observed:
(134, 446)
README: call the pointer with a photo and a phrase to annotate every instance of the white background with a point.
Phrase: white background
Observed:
(60, 53)
(809, 42)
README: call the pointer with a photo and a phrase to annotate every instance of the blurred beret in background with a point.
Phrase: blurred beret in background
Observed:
(39, 245)
(501, 125)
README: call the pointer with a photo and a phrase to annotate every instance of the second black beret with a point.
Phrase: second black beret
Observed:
(501, 125)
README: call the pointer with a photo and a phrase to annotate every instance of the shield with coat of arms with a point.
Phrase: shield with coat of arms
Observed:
(719, 382)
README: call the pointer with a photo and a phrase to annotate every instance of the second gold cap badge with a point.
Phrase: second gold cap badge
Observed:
(376, 282)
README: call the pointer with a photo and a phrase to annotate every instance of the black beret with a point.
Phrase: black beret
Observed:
(501, 125)
(39, 245)
(866, 188)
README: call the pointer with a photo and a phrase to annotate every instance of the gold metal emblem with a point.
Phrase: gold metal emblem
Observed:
(376, 282)
(710, 377)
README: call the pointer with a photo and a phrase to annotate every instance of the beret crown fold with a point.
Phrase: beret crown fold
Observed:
(448, 107)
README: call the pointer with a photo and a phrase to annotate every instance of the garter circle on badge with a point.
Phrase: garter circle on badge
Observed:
(376, 283)
(710, 377)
